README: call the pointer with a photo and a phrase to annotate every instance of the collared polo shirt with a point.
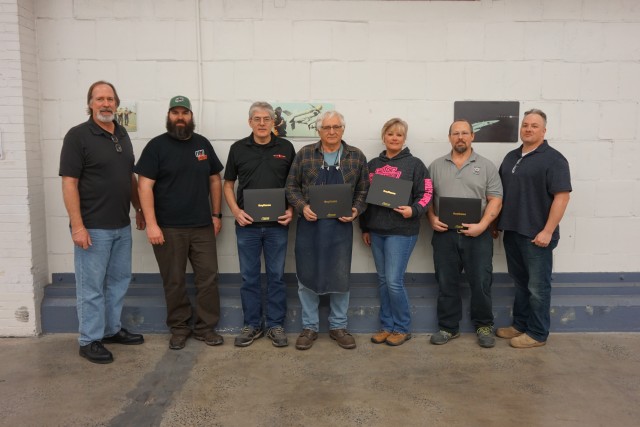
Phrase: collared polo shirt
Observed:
(477, 178)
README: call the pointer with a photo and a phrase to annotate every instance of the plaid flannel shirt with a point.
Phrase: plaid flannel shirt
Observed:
(306, 168)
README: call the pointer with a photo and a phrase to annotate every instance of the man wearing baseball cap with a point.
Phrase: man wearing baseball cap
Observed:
(180, 191)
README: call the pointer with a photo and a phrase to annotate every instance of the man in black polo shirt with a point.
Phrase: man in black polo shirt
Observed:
(179, 186)
(98, 184)
(261, 160)
(536, 183)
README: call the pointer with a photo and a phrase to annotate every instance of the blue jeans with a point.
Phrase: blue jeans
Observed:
(391, 255)
(272, 241)
(452, 253)
(338, 302)
(103, 274)
(530, 268)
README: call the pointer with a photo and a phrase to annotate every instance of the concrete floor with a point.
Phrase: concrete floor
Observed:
(582, 379)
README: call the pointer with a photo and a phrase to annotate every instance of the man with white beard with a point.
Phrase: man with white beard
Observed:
(98, 185)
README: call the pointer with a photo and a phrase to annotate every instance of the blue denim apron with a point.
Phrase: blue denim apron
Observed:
(323, 247)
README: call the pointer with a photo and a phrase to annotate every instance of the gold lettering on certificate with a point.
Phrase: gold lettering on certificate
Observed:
(389, 192)
(460, 213)
(265, 218)
(264, 205)
(330, 202)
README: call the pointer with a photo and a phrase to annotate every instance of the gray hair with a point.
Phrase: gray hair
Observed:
(538, 112)
(327, 115)
(261, 105)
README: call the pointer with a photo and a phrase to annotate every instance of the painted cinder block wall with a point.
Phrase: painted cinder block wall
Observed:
(579, 60)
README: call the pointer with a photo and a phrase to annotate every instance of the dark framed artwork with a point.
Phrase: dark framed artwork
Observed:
(493, 121)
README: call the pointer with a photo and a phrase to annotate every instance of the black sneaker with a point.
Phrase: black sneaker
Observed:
(247, 335)
(96, 353)
(443, 337)
(277, 336)
(485, 336)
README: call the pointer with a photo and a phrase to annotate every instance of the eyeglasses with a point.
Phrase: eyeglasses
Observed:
(335, 128)
(115, 141)
(258, 120)
(516, 165)
(463, 133)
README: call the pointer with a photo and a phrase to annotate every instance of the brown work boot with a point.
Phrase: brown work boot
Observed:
(305, 339)
(178, 341)
(380, 337)
(525, 341)
(508, 333)
(398, 338)
(210, 338)
(344, 338)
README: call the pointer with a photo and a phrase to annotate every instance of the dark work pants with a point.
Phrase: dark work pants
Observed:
(453, 253)
(198, 245)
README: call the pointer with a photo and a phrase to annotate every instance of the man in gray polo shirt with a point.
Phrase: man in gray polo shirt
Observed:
(464, 173)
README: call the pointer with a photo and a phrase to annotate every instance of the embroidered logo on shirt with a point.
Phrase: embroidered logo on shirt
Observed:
(279, 156)
(476, 170)
(200, 155)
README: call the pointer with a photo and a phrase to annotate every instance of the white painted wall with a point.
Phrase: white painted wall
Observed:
(579, 60)
(23, 253)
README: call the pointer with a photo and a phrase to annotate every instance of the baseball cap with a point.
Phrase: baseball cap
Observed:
(180, 101)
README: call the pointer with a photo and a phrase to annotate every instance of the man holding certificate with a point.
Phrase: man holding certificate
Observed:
(260, 161)
(464, 174)
(323, 245)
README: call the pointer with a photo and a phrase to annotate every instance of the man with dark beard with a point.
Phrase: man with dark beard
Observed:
(98, 185)
(179, 187)
(466, 174)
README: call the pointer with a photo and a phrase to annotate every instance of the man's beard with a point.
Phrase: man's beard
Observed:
(105, 116)
(460, 148)
(181, 132)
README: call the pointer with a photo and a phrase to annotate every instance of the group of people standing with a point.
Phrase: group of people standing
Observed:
(178, 200)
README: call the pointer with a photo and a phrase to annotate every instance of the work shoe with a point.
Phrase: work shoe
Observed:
(96, 353)
(124, 337)
(210, 338)
(305, 339)
(525, 341)
(508, 333)
(485, 337)
(178, 341)
(277, 336)
(398, 338)
(247, 335)
(380, 337)
(343, 338)
(443, 337)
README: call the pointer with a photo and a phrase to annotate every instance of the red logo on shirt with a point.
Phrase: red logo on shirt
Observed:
(200, 155)
(279, 156)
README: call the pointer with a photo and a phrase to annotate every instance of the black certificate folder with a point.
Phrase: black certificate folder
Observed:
(453, 211)
(331, 201)
(389, 192)
(265, 204)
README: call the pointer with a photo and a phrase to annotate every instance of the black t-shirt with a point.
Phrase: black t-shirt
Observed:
(258, 166)
(104, 174)
(529, 183)
(181, 171)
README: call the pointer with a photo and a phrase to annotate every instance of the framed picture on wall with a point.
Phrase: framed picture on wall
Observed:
(127, 116)
(298, 119)
(492, 121)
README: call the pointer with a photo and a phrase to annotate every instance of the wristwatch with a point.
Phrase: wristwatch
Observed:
(217, 215)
